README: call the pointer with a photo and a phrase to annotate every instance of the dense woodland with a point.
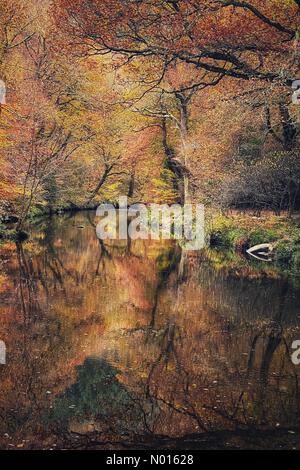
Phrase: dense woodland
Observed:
(143, 343)
(161, 100)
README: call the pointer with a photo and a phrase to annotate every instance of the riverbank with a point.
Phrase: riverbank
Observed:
(8, 223)
(240, 231)
(233, 231)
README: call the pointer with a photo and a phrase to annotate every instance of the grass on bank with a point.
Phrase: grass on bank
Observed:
(239, 231)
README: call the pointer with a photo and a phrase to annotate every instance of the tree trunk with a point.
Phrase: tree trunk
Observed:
(172, 164)
(289, 130)
(169, 153)
(183, 108)
(131, 186)
(101, 183)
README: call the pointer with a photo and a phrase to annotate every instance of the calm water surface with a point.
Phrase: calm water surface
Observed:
(117, 344)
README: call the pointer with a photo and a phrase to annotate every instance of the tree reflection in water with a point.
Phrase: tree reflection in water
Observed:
(135, 344)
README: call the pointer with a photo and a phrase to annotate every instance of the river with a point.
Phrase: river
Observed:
(135, 345)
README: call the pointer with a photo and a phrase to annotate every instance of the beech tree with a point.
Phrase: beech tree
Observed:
(216, 36)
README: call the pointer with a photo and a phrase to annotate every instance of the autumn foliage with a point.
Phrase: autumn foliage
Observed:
(160, 100)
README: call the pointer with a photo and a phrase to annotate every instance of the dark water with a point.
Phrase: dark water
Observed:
(117, 344)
